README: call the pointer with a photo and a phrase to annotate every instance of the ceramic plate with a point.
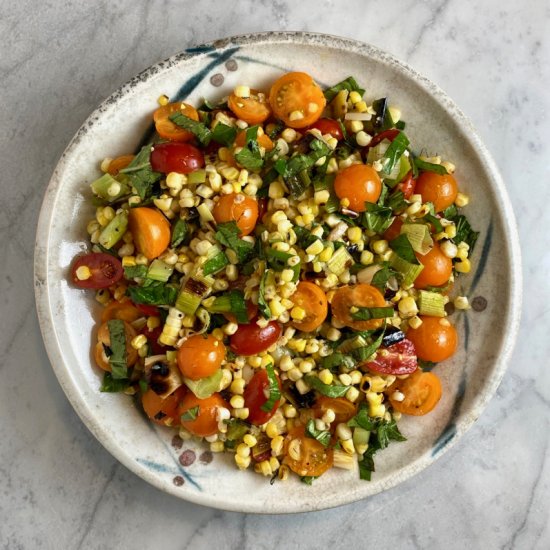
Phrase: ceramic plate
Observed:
(67, 315)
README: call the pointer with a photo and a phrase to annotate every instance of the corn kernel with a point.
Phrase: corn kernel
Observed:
(271, 430)
(298, 313)
(326, 376)
(395, 114)
(355, 234)
(242, 91)
(352, 394)
(407, 307)
(449, 249)
(348, 446)
(316, 247)
(415, 322)
(289, 410)
(294, 374)
(463, 266)
(237, 402)
(242, 462)
(361, 107)
(243, 450)
(461, 302)
(242, 414)
(462, 200)
(362, 138)
(250, 440)
(380, 246)
(237, 386)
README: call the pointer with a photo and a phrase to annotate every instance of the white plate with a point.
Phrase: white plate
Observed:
(67, 315)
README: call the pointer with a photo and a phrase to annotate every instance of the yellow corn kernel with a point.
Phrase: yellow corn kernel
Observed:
(129, 261)
(361, 107)
(326, 254)
(163, 100)
(277, 445)
(298, 313)
(153, 322)
(250, 440)
(237, 401)
(103, 296)
(317, 247)
(242, 462)
(355, 97)
(355, 234)
(138, 341)
(348, 446)
(271, 430)
(237, 386)
(462, 200)
(216, 446)
(367, 257)
(464, 266)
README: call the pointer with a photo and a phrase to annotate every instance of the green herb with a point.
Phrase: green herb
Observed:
(228, 234)
(364, 353)
(394, 152)
(231, 302)
(190, 414)
(155, 294)
(433, 219)
(117, 359)
(400, 124)
(403, 248)
(141, 175)
(426, 366)
(135, 271)
(308, 480)
(465, 233)
(113, 385)
(305, 237)
(277, 128)
(377, 218)
(322, 436)
(337, 359)
(224, 134)
(429, 167)
(451, 212)
(368, 313)
(382, 276)
(349, 84)
(263, 308)
(198, 129)
(274, 390)
(325, 389)
(215, 264)
(236, 429)
(207, 105)
(179, 232)
(396, 201)
(249, 156)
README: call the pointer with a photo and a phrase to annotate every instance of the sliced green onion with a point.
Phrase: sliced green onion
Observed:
(193, 291)
(274, 390)
(419, 236)
(231, 302)
(159, 271)
(114, 230)
(204, 387)
(340, 261)
(198, 176)
(431, 303)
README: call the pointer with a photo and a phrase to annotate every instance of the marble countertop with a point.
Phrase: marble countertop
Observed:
(60, 488)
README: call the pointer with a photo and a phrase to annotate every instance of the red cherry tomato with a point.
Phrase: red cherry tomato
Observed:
(252, 339)
(152, 336)
(407, 186)
(390, 135)
(105, 270)
(150, 311)
(255, 397)
(176, 157)
(396, 359)
(328, 126)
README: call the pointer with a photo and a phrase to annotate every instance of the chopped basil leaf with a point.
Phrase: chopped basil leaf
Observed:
(190, 414)
(140, 172)
(263, 308)
(308, 480)
(381, 277)
(451, 212)
(364, 353)
(228, 234)
(429, 167)
(209, 106)
(277, 128)
(465, 233)
(179, 232)
(396, 201)
(377, 218)
(426, 366)
(249, 156)
(236, 429)
(394, 152)
(117, 359)
(274, 390)
(349, 84)
(135, 271)
(400, 124)
(362, 420)
(325, 389)
(388, 431)
(403, 248)
(337, 359)
(322, 436)
(155, 294)
(224, 134)
(368, 313)
(113, 385)
(304, 236)
(198, 129)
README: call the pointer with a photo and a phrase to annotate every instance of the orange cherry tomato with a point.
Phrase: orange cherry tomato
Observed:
(121, 309)
(169, 130)
(263, 141)
(394, 230)
(434, 340)
(104, 338)
(297, 100)
(239, 208)
(441, 190)
(205, 422)
(254, 109)
(437, 268)
(200, 356)
(422, 391)
(305, 455)
(361, 295)
(163, 411)
(344, 410)
(116, 165)
(151, 231)
(313, 300)
(359, 183)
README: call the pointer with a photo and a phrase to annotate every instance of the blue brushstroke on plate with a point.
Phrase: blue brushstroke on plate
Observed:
(201, 49)
(163, 469)
(484, 257)
(449, 431)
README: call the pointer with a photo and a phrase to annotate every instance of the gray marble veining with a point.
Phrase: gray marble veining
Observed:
(60, 488)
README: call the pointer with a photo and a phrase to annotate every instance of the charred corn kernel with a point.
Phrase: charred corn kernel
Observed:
(361, 107)
(242, 462)
(462, 200)
(298, 313)
(138, 341)
(367, 257)
(352, 394)
(380, 246)
(407, 307)
(271, 430)
(83, 273)
(295, 449)
(355, 234)
(463, 266)
(355, 97)
(294, 374)
(449, 249)
(289, 410)
(242, 414)
(461, 302)
(343, 431)
(415, 322)
(103, 296)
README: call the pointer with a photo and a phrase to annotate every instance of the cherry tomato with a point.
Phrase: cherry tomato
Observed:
(359, 183)
(151, 231)
(254, 109)
(105, 270)
(297, 100)
(256, 394)
(399, 358)
(239, 208)
(407, 186)
(343, 409)
(390, 135)
(263, 141)
(437, 268)
(150, 311)
(361, 295)
(200, 356)
(434, 340)
(394, 230)
(120, 309)
(305, 455)
(169, 130)
(116, 165)
(163, 411)
(153, 336)
(422, 391)
(104, 339)
(176, 157)
(328, 126)
(251, 312)
(252, 339)
(313, 300)
(441, 190)
(205, 422)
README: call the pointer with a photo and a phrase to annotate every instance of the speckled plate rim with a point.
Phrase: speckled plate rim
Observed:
(513, 303)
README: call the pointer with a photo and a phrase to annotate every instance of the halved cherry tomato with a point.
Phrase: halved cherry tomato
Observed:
(163, 411)
(394, 230)
(104, 339)
(305, 455)
(239, 208)
(437, 268)
(116, 165)
(176, 157)
(328, 126)
(121, 309)
(150, 311)
(441, 190)
(361, 295)
(313, 300)
(263, 141)
(422, 391)
(256, 394)
(169, 130)
(435, 339)
(153, 336)
(200, 356)
(205, 422)
(359, 183)
(390, 135)
(399, 358)
(254, 109)
(106, 270)
(407, 186)
(297, 100)
(344, 410)
(151, 231)
(252, 339)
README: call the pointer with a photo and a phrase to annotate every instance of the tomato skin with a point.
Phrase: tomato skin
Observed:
(262, 207)
(123, 309)
(314, 459)
(150, 230)
(163, 411)
(200, 356)
(394, 230)
(250, 109)
(251, 339)
(206, 422)
(313, 300)
(170, 130)
(176, 157)
(407, 186)
(390, 135)
(251, 312)
(359, 183)
(106, 270)
(263, 141)
(117, 164)
(344, 410)
(328, 126)
(437, 268)
(104, 338)
(433, 340)
(254, 398)
(150, 311)
(422, 391)
(153, 336)
(398, 359)
(360, 295)
(239, 208)
(441, 190)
